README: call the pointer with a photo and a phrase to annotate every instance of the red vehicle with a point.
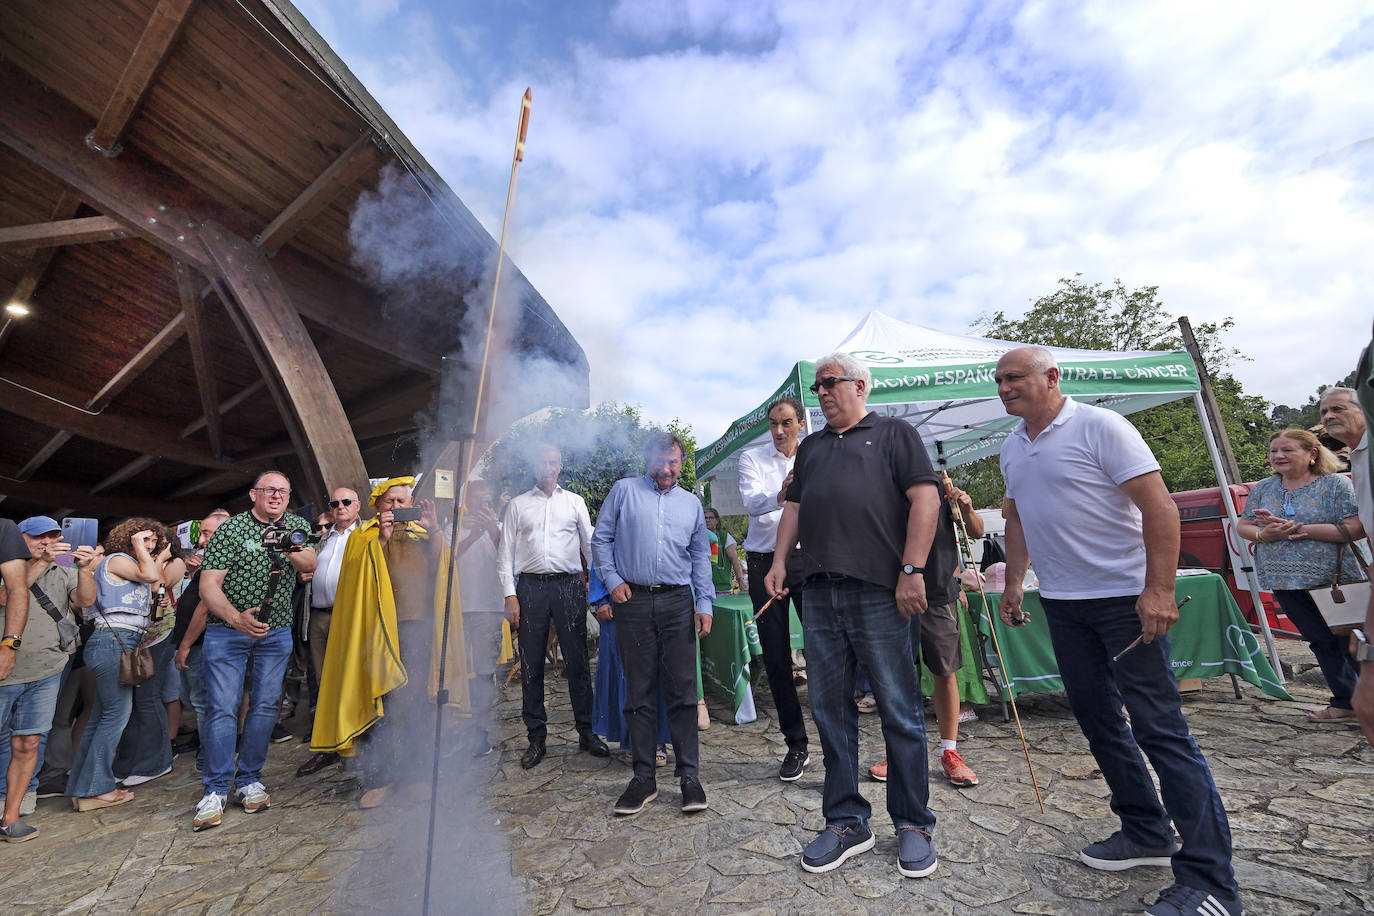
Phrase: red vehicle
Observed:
(1202, 545)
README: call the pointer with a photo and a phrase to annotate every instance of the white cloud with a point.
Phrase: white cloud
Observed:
(706, 212)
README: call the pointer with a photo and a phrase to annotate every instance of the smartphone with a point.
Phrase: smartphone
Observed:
(1263, 513)
(79, 532)
(406, 514)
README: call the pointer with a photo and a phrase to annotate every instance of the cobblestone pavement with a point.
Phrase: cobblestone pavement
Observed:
(1300, 798)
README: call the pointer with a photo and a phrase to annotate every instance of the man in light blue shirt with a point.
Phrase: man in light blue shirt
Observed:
(651, 549)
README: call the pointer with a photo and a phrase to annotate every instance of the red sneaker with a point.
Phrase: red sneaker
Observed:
(958, 772)
(879, 771)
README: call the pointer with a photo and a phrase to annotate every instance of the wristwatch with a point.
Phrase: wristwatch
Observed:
(1362, 651)
(10, 641)
(909, 570)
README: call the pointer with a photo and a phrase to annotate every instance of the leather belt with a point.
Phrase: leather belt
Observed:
(653, 589)
(827, 577)
(546, 577)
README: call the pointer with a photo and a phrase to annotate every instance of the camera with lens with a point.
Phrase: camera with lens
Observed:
(280, 539)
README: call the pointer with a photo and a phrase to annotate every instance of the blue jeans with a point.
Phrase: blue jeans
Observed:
(1340, 670)
(26, 709)
(1086, 634)
(93, 766)
(193, 688)
(145, 749)
(849, 621)
(228, 659)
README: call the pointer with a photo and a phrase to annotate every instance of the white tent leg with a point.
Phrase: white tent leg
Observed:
(1251, 579)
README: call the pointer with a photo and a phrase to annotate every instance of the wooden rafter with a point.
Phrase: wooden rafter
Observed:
(351, 165)
(161, 32)
(171, 332)
(66, 207)
(59, 439)
(132, 469)
(63, 232)
(72, 493)
(197, 334)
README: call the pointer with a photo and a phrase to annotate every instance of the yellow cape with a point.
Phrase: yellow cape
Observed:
(362, 662)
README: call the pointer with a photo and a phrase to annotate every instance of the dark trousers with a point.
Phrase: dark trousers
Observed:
(657, 635)
(1340, 670)
(776, 638)
(1086, 634)
(562, 602)
(400, 746)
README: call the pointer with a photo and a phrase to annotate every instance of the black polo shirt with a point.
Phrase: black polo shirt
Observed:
(944, 558)
(850, 489)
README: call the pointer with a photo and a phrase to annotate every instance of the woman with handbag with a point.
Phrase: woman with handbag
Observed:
(1302, 521)
(114, 656)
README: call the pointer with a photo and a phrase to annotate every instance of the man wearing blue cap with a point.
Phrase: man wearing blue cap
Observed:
(39, 634)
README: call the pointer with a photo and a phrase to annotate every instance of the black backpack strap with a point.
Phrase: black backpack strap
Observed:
(44, 600)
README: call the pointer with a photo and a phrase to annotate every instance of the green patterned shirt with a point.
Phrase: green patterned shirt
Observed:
(237, 549)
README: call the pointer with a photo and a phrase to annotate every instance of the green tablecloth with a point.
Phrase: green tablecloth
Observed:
(734, 640)
(1210, 639)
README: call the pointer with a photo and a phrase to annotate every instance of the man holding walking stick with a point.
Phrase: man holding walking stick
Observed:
(1086, 502)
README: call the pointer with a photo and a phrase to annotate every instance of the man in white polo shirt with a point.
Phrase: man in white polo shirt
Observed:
(1086, 503)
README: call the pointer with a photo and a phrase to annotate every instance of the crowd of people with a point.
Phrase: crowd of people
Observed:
(853, 524)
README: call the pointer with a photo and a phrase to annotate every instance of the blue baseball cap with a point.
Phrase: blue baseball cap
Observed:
(38, 525)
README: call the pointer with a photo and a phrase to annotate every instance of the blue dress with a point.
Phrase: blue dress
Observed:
(608, 692)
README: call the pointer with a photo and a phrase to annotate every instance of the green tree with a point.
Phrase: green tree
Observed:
(599, 447)
(1309, 414)
(1101, 317)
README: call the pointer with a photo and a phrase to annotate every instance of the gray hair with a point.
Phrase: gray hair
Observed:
(1340, 389)
(850, 364)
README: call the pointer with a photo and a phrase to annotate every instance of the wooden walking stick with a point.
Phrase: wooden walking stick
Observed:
(996, 647)
(466, 450)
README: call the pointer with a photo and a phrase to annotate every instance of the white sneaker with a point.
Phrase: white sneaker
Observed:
(253, 797)
(209, 811)
(140, 780)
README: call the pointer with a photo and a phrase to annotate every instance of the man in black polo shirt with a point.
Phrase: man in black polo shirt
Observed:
(863, 502)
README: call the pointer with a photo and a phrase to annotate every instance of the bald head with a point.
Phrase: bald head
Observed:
(1028, 384)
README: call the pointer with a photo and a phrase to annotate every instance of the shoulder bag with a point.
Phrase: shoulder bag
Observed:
(1343, 607)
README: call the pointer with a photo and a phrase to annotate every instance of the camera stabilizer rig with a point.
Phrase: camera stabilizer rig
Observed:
(279, 540)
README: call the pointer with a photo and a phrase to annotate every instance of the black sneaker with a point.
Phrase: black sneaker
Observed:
(280, 733)
(1189, 901)
(693, 795)
(637, 794)
(1116, 853)
(834, 845)
(792, 765)
(53, 786)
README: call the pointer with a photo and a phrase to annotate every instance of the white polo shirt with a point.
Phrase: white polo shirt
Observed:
(1082, 530)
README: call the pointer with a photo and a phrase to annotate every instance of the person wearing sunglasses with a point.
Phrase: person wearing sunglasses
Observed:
(863, 502)
(1296, 519)
(344, 507)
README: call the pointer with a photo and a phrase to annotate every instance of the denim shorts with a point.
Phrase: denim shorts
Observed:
(27, 709)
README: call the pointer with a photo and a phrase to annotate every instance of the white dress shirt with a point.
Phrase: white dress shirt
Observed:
(543, 534)
(479, 586)
(326, 579)
(762, 469)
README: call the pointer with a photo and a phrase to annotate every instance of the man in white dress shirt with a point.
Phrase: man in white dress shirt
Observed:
(344, 507)
(545, 546)
(764, 474)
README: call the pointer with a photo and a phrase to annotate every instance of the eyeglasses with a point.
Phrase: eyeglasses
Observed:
(830, 382)
(1289, 510)
(336, 503)
(274, 491)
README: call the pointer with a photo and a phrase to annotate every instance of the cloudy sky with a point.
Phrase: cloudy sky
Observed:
(715, 189)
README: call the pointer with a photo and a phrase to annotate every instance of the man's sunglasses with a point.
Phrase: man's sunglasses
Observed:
(336, 503)
(830, 382)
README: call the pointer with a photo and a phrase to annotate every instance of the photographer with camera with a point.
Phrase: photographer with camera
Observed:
(246, 580)
(380, 642)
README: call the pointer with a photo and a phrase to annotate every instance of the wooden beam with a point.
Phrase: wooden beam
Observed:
(198, 335)
(396, 396)
(72, 493)
(63, 232)
(146, 435)
(58, 440)
(171, 332)
(206, 481)
(351, 165)
(66, 207)
(225, 406)
(132, 469)
(161, 32)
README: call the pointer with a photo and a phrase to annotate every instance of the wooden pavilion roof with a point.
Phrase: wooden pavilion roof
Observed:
(176, 184)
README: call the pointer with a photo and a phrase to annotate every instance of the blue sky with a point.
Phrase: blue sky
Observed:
(713, 190)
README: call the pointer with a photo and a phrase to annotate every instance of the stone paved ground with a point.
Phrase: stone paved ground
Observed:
(1300, 797)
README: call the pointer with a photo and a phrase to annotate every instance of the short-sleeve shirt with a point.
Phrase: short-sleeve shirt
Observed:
(1083, 532)
(41, 656)
(850, 488)
(1304, 563)
(237, 549)
(943, 561)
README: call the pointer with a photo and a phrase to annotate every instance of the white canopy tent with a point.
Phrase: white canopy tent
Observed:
(943, 384)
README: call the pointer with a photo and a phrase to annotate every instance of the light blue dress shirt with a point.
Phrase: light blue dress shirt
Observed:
(649, 537)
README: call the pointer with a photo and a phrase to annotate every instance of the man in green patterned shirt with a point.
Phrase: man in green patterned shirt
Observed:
(246, 585)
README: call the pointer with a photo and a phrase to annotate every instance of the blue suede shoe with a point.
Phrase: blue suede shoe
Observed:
(915, 854)
(834, 845)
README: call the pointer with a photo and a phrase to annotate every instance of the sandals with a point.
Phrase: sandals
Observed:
(661, 756)
(867, 703)
(95, 802)
(1331, 714)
